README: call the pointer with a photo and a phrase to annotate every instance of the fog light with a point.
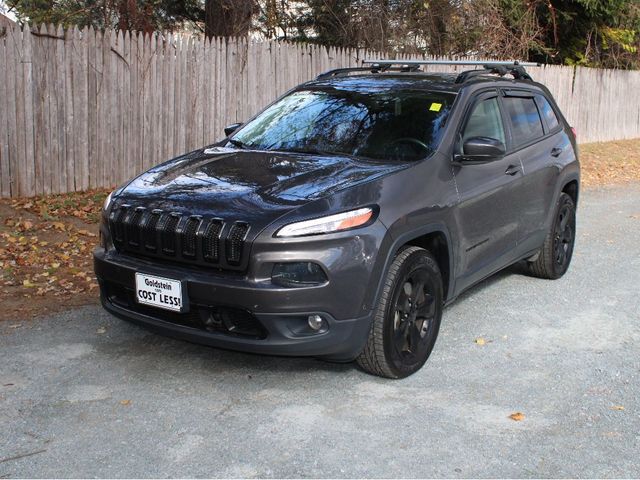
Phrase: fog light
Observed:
(315, 322)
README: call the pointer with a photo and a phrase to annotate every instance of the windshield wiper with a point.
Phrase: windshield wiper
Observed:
(315, 151)
(237, 143)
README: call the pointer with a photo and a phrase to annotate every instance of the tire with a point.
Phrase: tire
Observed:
(555, 256)
(406, 322)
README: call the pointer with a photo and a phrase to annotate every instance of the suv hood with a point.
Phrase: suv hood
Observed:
(252, 186)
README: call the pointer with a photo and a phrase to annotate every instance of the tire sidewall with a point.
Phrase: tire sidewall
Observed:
(560, 270)
(416, 260)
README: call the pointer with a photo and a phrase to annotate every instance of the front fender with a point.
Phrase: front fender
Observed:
(391, 244)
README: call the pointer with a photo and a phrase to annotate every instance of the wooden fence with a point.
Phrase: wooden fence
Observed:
(86, 109)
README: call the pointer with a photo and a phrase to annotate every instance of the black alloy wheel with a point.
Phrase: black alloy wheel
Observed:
(407, 319)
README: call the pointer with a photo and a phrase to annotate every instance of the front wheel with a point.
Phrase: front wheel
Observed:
(407, 318)
(554, 258)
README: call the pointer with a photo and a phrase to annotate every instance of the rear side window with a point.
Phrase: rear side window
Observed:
(525, 119)
(547, 113)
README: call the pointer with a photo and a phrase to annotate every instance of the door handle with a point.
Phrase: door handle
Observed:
(556, 151)
(511, 170)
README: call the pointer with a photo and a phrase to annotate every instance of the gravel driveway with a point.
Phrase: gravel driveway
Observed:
(83, 394)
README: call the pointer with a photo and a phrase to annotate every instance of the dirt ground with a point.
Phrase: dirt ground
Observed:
(46, 242)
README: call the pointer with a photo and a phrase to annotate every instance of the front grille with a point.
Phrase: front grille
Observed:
(180, 237)
(209, 318)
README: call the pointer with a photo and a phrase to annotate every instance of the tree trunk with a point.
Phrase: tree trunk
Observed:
(228, 18)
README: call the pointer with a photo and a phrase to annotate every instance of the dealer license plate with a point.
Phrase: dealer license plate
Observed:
(159, 292)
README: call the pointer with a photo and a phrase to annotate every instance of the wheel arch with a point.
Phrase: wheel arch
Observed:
(436, 239)
(572, 188)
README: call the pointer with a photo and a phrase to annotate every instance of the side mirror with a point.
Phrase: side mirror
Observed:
(481, 150)
(229, 129)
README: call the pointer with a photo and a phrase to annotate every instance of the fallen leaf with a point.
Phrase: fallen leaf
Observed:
(617, 407)
(517, 416)
(126, 403)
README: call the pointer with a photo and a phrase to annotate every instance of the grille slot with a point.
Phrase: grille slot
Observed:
(194, 239)
(117, 224)
(235, 242)
(132, 227)
(211, 241)
(168, 233)
(189, 243)
(149, 232)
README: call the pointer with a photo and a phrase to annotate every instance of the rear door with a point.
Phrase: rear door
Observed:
(537, 140)
(489, 208)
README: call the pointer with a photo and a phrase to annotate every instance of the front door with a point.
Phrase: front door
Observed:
(489, 208)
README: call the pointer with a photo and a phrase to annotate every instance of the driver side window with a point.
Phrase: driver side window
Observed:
(485, 121)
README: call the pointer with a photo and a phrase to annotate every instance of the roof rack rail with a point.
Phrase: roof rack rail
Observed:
(516, 70)
(451, 62)
(499, 67)
(373, 69)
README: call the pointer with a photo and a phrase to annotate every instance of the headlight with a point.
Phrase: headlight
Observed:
(329, 224)
(107, 202)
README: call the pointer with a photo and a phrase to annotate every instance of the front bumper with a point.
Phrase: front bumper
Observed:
(280, 314)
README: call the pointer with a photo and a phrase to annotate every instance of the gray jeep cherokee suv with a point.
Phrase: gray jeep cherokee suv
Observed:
(340, 220)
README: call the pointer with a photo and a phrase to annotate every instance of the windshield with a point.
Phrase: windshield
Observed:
(386, 125)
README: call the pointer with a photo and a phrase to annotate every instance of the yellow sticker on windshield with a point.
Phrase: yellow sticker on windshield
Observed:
(435, 107)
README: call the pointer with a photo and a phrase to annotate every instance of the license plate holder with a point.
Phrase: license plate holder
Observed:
(161, 292)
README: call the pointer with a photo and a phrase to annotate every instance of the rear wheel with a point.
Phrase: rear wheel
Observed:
(554, 258)
(407, 318)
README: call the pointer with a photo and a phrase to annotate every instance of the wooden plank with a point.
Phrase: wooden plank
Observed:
(68, 52)
(49, 168)
(125, 113)
(95, 122)
(156, 125)
(40, 139)
(181, 96)
(82, 120)
(27, 66)
(112, 159)
(206, 91)
(102, 95)
(199, 96)
(5, 172)
(60, 119)
(21, 160)
(134, 105)
(169, 92)
(12, 40)
(79, 102)
(51, 147)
